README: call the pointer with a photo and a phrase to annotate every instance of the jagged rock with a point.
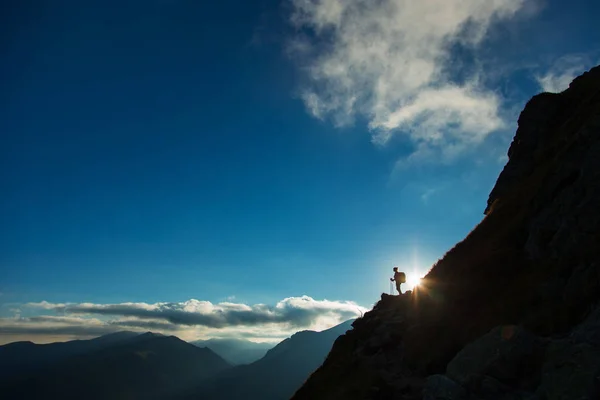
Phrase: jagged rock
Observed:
(571, 372)
(505, 353)
(440, 387)
(533, 121)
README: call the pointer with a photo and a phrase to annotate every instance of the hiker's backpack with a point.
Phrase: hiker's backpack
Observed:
(402, 277)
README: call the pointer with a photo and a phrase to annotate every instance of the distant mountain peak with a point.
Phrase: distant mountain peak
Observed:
(235, 351)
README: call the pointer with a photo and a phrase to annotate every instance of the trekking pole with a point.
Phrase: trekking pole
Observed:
(391, 287)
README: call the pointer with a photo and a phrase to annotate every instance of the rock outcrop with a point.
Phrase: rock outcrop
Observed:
(512, 311)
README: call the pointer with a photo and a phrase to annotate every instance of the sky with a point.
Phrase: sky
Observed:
(253, 168)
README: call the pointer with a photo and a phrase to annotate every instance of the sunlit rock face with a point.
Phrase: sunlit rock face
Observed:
(511, 311)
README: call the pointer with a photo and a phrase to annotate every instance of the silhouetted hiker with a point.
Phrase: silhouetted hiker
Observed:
(399, 278)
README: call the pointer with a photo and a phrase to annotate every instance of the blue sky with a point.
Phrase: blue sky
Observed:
(254, 152)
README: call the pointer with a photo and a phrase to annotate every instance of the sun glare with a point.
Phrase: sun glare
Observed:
(412, 281)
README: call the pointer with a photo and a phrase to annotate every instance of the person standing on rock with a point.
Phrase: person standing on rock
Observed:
(399, 278)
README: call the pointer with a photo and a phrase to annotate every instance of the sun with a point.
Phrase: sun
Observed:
(412, 281)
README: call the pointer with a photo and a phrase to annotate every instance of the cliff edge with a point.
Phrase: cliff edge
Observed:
(512, 311)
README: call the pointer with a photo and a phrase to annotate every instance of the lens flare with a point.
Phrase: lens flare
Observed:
(412, 281)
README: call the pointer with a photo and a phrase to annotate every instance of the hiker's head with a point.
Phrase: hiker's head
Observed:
(395, 269)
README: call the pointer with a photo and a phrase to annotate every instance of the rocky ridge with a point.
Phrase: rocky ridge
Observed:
(512, 311)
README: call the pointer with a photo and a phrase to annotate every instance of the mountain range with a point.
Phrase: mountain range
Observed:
(129, 365)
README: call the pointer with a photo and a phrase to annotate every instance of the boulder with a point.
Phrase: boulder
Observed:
(506, 353)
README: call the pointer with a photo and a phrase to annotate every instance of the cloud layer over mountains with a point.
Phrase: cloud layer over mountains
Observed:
(191, 319)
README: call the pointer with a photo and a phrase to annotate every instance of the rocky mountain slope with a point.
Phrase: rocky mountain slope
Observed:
(511, 312)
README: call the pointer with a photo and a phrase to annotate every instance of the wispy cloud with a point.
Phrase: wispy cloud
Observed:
(388, 61)
(189, 319)
(428, 193)
(562, 72)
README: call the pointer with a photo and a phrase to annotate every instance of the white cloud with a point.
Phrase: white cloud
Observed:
(386, 60)
(190, 319)
(558, 77)
(46, 305)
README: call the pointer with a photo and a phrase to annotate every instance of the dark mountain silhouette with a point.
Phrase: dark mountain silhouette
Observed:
(512, 311)
(149, 366)
(278, 374)
(20, 357)
(236, 351)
